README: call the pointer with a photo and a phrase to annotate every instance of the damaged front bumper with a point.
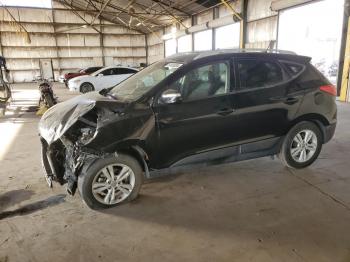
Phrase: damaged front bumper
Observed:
(64, 131)
(63, 161)
(79, 131)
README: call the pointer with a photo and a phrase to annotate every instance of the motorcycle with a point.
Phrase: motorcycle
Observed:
(47, 97)
(5, 91)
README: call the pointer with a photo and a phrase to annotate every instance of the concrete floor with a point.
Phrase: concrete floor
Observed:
(249, 211)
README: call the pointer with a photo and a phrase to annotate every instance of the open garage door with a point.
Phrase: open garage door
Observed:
(314, 30)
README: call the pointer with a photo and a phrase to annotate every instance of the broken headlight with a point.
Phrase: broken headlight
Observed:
(84, 130)
(87, 134)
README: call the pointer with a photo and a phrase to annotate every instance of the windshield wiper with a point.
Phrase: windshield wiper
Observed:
(105, 92)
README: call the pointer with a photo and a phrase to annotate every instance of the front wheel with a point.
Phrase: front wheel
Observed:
(110, 181)
(86, 87)
(302, 145)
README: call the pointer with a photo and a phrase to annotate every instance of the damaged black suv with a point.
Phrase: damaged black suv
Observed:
(189, 109)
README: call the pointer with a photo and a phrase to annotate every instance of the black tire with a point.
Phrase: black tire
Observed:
(86, 87)
(90, 171)
(286, 155)
(49, 100)
(45, 164)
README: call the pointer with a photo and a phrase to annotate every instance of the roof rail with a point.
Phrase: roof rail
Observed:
(202, 54)
(274, 51)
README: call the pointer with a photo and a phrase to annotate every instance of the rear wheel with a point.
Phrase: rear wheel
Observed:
(49, 100)
(86, 87)
(302, 145)
(110, 181)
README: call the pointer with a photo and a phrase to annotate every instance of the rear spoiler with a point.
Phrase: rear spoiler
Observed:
(296, 58)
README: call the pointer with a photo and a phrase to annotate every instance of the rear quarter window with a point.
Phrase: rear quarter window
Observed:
(293, 68)
(309, 78)
(312, 78)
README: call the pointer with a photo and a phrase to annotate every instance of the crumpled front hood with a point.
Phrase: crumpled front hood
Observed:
(58, 119)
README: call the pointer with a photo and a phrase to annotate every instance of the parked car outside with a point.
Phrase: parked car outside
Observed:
(104, 78)
(188, 110)
(85, 71)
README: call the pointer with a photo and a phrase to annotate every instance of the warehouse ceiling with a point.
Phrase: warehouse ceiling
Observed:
(144, 16)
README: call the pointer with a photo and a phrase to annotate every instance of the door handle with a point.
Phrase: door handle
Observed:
(286, 100)
(225, 111)
(291, 100)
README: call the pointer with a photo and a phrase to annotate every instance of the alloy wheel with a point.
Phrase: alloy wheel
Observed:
(303, 146)
(113, 184)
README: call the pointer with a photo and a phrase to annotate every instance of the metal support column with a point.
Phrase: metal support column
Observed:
(344, 88)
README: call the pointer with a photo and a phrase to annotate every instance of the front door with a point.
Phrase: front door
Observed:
(104, 79)
(199, 122)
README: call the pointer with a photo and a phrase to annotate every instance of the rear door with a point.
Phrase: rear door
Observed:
(114, 77)
(104, 79)
(111, 77)
(262, 103)
(124, 73)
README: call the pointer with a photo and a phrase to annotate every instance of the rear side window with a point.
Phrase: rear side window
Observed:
(124, 71)
(258, 73)
(108, 72)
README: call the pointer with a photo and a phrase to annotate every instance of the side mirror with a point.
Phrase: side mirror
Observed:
(99, 75)
(170, 96)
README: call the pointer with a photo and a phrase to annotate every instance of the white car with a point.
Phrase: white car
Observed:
(103, 78)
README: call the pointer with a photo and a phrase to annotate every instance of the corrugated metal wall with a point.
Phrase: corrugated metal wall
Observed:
(261, 24)
(82, 47)
(76, 48)
(155, 46)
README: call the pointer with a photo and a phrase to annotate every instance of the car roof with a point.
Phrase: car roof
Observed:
(88, 67)
(108, 67)
(253, 53)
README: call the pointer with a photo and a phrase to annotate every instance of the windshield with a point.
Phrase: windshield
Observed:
(143, 81)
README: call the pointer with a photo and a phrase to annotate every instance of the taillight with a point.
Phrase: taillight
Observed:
(329, 89)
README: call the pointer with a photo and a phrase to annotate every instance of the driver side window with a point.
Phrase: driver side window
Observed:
(202, 82)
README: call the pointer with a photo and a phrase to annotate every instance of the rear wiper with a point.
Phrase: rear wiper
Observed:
(105, 92)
